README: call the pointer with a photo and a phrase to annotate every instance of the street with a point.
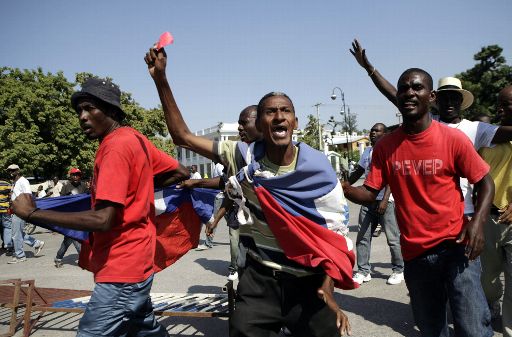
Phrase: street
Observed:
(375, 309)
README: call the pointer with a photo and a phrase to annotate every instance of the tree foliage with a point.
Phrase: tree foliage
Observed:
(40, 131)
(349, 122)
(489, 75)
(309, 134)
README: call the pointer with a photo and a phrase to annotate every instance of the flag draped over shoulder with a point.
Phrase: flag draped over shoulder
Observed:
(179, 214)
(307, 212)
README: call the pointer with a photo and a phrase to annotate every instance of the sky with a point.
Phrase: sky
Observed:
(228, 54)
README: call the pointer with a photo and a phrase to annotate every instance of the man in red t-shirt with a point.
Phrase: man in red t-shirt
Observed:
(422, 162)
(121, 246)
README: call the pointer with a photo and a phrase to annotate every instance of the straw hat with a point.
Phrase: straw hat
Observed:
(454, 84)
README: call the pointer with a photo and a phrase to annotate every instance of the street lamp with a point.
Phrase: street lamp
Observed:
(317, 105)
(343, 112)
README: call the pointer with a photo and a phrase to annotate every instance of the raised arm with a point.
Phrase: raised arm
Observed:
(384, 86)
(180, 133)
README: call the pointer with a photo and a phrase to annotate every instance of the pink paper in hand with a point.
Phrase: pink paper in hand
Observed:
(165, 39)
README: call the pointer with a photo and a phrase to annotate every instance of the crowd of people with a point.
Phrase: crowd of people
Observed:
(439, 186)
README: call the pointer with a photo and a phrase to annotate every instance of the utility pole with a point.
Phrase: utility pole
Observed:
(317, 105)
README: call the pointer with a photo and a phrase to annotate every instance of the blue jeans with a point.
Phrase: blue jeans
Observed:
(19, 236)
(66, 242)
(119, 309)
(368, 220)
(6, 228)
(444, 274)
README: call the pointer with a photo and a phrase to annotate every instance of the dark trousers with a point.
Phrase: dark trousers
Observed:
(265, 303)
(66, 242)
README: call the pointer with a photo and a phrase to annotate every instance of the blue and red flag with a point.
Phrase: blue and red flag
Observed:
(179, 214)
(306, 211)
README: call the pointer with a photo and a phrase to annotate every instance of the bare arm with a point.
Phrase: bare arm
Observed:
(384, 86)
(473, 232)
(213, 183)
(180, 133)
(359, 195)
(502, 135)
(171, 177)
(226, 206)
(356, 174)
(98, 220)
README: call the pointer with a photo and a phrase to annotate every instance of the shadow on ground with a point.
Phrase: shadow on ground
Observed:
(219, 267)
(379, 311)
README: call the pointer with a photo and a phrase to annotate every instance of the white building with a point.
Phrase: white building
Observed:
(229, 131)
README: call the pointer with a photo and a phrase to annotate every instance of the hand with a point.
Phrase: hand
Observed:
(326, 293)
(210, 228)
(156, 61)
(360, 55)
(473, 234)
(506, 215)
(23, 205)
(383, 204)
(189, 183)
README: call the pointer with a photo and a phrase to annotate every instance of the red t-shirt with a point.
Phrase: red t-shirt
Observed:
(423, 173)
(125, 164)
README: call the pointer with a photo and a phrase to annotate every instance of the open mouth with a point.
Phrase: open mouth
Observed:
(279, 131)
(409, 105)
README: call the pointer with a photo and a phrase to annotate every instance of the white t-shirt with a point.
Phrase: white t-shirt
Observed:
(21, 186)
(481, 135)
(217, 170)
(365, 162)
(196, 175)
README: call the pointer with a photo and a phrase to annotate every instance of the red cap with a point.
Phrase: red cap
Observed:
(74, 170)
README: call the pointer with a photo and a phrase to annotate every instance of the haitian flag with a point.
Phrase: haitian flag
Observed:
(306, 211)
(179, 214)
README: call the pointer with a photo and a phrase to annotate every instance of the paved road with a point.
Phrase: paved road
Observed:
(375, 309)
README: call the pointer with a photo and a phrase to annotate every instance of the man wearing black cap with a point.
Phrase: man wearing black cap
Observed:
(121, 247)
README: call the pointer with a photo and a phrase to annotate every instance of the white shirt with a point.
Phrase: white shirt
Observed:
(217, 170)
(21, 186)
(365, 162)
(196, 175)
(55, 190)
(481, 135)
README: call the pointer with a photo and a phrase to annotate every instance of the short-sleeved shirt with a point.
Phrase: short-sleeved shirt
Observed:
(257, 239)
(499, 159)
(125, 165)
(69, 189)
(423, 173)
(5, 189)
(365, 162)
(481, 135)
(20, 186)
